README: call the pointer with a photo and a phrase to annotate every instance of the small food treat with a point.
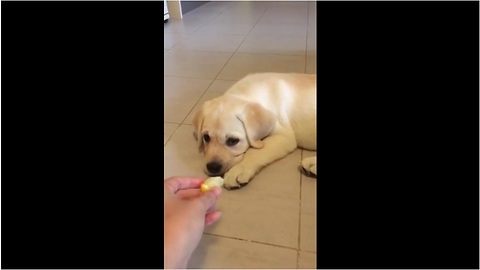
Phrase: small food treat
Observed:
(211, 182)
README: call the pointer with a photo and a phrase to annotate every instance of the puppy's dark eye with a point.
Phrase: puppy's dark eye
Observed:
(206, 138)
(232, 141)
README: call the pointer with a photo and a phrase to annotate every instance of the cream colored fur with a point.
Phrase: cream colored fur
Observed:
(271, 114)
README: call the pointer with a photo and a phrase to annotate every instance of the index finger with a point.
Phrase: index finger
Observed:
(174, 184)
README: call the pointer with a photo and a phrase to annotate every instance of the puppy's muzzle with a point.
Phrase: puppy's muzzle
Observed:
(214, 167)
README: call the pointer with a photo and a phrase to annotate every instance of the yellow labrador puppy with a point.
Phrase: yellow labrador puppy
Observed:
(262, 118)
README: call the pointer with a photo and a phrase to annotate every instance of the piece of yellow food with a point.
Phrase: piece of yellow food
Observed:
(211, 182)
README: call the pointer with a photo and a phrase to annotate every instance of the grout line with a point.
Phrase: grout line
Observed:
(183, 50)
(236, 51)
(246, 35)
(203, 51)
(200, 98)
(202, 24)
(188, 77)
(226, 63)
(250, 241)
(171, 135)
(255, 53)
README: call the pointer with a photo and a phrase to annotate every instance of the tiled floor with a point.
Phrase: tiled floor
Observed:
(271, 223)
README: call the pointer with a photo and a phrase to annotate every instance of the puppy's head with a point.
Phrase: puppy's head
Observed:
(226, 127)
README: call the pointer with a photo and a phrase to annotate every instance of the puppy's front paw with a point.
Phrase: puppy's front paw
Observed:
(237, 177)
(310, 165)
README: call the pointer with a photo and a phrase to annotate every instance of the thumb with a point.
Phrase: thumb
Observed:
(210, 197)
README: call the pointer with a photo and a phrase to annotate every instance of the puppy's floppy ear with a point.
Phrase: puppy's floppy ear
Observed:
(197, 125)
(258, 123)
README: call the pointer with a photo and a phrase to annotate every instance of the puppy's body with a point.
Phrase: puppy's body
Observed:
(290, 97)
(260, 119)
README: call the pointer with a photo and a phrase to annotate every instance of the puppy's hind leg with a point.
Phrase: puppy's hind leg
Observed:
(310, 165)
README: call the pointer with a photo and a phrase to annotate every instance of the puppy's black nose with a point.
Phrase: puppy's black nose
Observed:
(214, 167)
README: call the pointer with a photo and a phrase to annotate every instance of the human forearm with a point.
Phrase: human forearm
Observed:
(171, 257)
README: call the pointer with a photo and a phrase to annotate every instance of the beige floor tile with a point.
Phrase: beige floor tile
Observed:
(289, 4)
(311, 46)
(250, 16)
(307, 260)
(205, 65)
(168, 129)
(274, 44)
(202, 13)
(230, 19)
(181, 95)
(278, 15)
(312, 15)
(172, 39)
(242, 7)
(311, 67)
(211, 43)
(223, 253)
(214, 6)
(205, 12)
(312, 22)
(182, 26)
(312, 31)
(292, 8)
(267, 209)
(181, 156)
(242, 64)
(308, 213)
(279, 29)
(217, 89)
(225, 29)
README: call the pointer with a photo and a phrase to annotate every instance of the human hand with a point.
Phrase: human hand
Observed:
(187, 212)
